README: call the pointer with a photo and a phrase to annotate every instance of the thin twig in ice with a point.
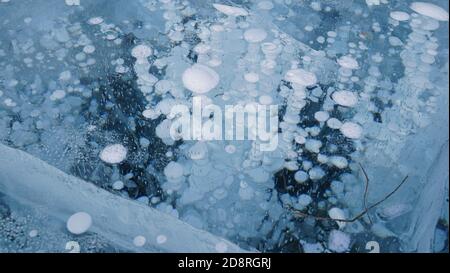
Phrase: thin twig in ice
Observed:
(365, 211)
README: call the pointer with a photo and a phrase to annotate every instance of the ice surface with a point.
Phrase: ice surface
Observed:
(88, 87)
(115, 218)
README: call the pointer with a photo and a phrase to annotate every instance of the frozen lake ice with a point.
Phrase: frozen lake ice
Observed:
(144, 126)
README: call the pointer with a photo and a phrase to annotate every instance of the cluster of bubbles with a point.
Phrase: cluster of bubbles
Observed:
(330, 100)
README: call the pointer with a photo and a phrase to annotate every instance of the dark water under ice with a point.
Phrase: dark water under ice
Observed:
(73, 83)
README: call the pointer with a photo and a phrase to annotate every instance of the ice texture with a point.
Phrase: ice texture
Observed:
(87, 90)
(116, 218)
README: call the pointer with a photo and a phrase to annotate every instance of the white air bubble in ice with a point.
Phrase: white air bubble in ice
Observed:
(255, 35)
(79, 223)
(230, 10)
(430, 10)
(301, 77)
(72, 2)
(113, 154)
(345, 98)
(338, 241)
(173, 170)
(348, 62)
(337, 213)
(351, 130)
(118, 185)
(139, 241)
(399, 15)
(161, 239)
(141, 52)
(200, 78)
